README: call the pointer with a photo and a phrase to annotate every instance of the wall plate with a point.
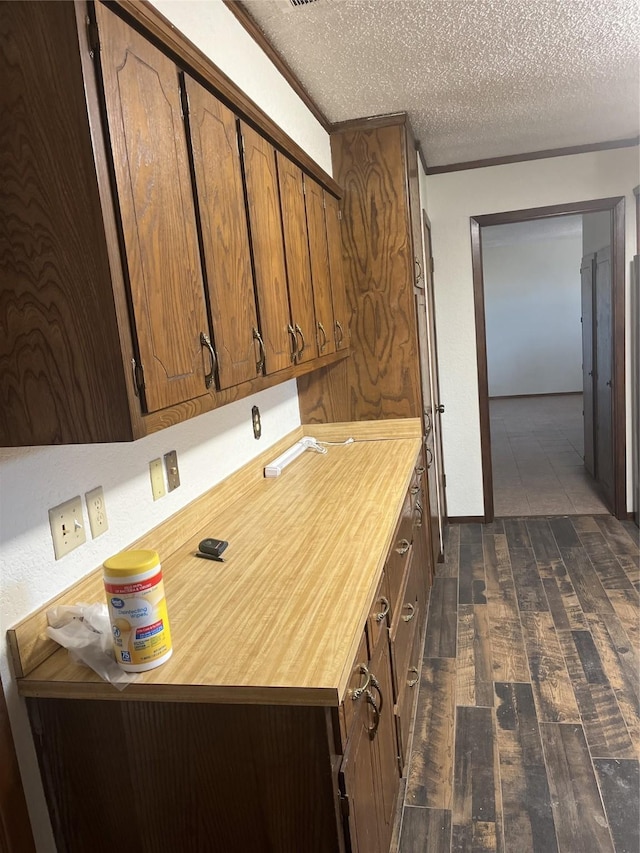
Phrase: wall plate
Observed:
(171, 466)
(156, 471)
(67, 526)
(97, 512)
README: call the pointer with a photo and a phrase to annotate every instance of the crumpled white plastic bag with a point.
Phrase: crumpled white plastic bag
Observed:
(85, 630)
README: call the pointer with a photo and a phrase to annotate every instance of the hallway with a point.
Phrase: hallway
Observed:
(527, 729)
(537, 446)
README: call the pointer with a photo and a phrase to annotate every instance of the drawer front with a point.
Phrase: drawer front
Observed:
(378, 619)
(358, 681)
(405, 621)
(399, 553)
(409, 691)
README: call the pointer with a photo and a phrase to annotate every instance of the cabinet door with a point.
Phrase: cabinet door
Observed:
(261, 178)
(358, 773)
(341, 313)
(225, 236)
(319, 251)
(155, 194)
(296, 247)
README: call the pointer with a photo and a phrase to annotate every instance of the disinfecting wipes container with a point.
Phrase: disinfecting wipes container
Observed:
(138, 610)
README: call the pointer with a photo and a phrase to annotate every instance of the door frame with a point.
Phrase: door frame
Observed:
(616, 206)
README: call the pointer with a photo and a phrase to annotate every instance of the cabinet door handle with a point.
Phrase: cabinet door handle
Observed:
(430, 457)
(440, 408)
(303, 347)
(260, 363)
(414, 490)
(376, 711)
(403, 546)
(418, 510)
(414, 681)
(294, 342)
(339, 329)
(420, 470)
(205, 342)
(386, 607)
(427, 423)
(419, 273)
(412, 608)
(357, 693)
(324, 335)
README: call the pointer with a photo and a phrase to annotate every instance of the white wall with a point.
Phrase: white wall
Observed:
(209, 447)
(453, 198)
(532, 315)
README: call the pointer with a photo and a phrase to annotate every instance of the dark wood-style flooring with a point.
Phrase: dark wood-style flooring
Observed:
(527, 730)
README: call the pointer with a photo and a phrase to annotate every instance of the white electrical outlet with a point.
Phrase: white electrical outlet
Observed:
(156, 469)
(97, 511)
(67, 526)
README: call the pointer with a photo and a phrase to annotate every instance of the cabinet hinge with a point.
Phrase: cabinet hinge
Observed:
(94, 37)
(344, 805)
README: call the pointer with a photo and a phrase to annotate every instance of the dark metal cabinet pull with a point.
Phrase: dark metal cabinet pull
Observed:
(205, 342)
(324, 335)
(294, 342)
(385, 609)
(412, 608)
(260, 363)
(430, 457)
(357, 693)
(414, 681)
(303, 346)
(403, 546)
(338, 326)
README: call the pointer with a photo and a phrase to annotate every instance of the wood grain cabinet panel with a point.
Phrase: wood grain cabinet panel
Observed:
(263, 201)
(341, 311)
(225, 236)
(296, 244)
(319, 253)
(151, 165)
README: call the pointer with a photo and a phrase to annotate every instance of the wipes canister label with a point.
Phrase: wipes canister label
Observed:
(139, 622)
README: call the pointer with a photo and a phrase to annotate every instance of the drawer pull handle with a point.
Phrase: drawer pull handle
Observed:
(415, 490)
(414, 681)
(412, 607)
(376, 686)
(205, 342)
(418, 511)
(357, 693)
(403, 546)
(376, 711)
(430, 459)
(324, 335)
(258, 337)
(420, 470)
(386, 607)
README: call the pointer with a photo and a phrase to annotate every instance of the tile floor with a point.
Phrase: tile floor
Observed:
(536, 448)
(527, 729)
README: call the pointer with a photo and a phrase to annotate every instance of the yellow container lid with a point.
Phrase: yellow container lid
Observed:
(132, 562)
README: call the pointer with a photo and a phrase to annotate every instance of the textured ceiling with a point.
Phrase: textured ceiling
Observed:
(479, 78)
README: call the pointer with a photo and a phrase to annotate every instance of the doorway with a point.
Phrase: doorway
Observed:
(607, 385)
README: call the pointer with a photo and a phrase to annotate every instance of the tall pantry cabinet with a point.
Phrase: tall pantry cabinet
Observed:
(387, 375)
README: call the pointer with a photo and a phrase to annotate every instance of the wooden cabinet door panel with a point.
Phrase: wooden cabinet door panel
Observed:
(358, 773)
(225, 236)
(341, 311)
(297, 257)
(320, 273)
(385, 744)
(152, 175)
(268, 250)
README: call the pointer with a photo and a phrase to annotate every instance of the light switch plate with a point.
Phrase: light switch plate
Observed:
(156, 471)
(171, 466)
(67, 526)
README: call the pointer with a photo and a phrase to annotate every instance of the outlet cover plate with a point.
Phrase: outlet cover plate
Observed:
(156, 471)
(171, 465)
(97, 512)
(67, 526)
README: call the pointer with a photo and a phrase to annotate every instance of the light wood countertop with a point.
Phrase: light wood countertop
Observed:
(281, 619)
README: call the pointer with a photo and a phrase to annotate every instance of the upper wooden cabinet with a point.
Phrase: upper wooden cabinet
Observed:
(225, 236)
(151, 166)
(341, 313)
(139, 286)
(301, 292)
(319, 253)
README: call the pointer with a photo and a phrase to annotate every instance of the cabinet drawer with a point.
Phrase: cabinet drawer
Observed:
(357, 681)
(403, 626)
(410, 685)
(378, 618)
(399, 553)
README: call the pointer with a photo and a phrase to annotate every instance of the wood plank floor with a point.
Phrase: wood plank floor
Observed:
(527, 729)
